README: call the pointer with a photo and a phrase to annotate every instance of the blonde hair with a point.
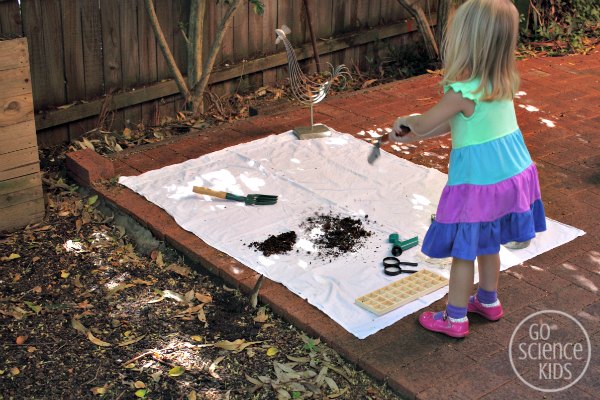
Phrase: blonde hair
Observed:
(480, 43)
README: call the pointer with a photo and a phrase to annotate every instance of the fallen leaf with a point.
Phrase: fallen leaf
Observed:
(78, 326)
(261, 315)
(64, 274)
(191, 395)
(98, 390)
(31, 349)
(197, 338)
(97, 341)
(253, 380)
(235, 346)
(131, 341)
(141, 393)
(332, 385)
(159, 260)
(15, 371)
(13, 256)
(189, 296)
(77, 282)
(142, 282)
(139, 385)
(92, 199)
(37, 289)
(180, 269)
(204, 298)
(127, 133)
(34, 307)
(176, 371)
(368, 83)
(272, 351)
(21, 339)
(118, 288)
(172, 295)
(36, 259)
(213, 366)
(156, 376)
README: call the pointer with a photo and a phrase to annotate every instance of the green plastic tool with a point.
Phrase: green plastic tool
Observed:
(402, 245)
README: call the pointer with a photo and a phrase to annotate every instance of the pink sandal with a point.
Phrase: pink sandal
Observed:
(492, 312)
(439, 322)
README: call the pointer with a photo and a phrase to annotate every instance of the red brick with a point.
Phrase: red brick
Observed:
(122, 169)
(538, 276)
(88, 167)
(140, 161)
(571, 300)
(579, 276)
(164, 155)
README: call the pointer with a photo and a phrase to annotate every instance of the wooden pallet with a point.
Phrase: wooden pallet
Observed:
(401, 292)
(21, 196)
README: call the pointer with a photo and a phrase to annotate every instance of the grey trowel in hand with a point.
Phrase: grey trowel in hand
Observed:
(376, 152)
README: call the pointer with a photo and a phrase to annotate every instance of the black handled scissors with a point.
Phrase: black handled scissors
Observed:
(391, 266)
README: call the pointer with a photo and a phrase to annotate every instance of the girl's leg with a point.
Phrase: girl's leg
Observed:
(489, 272)
(461, 282)
(485, 302)
(456, 324)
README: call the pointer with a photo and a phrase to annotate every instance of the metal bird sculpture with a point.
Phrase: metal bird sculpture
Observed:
(306, 90)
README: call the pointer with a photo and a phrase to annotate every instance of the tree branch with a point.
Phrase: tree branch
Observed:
(212, 56)
(418, 14)
(196, 40)
(162, 42)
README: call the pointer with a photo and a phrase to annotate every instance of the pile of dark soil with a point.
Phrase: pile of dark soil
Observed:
(332, 235)
(279, 244)
(339, 235)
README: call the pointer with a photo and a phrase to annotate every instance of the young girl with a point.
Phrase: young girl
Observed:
(492, 196)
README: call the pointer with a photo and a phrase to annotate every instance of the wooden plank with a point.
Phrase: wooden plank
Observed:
(22, 214)
(111, 52)
(93, 66)
(23, 170)
(167, 88)
(18, 158)
(20, 196)
(285, 16)
(269, 24)
(10, 18)
(91, 29)
(164, 11)
(148, 67)
(226, 50)
(15, 82)
(18, 136)
(16, 109)
(42, 26)
(13, 54)
(181, 13)
(20, 183)
(73, 48)
(255, 33)
(130, 56)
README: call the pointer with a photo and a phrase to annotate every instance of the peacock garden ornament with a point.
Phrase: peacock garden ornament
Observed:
(307, 91)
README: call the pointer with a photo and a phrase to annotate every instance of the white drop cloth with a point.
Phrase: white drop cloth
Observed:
(319, 175)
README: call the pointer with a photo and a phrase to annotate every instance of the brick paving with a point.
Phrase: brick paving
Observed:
(414, 362)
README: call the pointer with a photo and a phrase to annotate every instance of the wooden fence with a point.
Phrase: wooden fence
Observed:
(82, 50)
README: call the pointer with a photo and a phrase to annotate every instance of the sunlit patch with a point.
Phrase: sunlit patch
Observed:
(569, 266)
(252, 183)
(406, 152)
(388, 130)
(373, 133)
(520, 94)
(295, 161)
(529, 108)
(100, 239)
(379, 130)
(306, 245)
(337, 140)
(266, 261)
(361, 133)
(547, 122)
(251, 163)
(535, 268)
(403, 147)
(302, 264)
(396, 147)
(583, 281)
(74, 247)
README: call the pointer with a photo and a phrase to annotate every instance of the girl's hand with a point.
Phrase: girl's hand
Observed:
(399, 130)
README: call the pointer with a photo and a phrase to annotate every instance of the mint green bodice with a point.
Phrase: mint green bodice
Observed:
(491, 119)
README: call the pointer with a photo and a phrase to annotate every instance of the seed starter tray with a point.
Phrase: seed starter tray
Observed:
(401, 292)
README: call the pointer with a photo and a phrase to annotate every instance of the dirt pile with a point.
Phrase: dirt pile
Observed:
(332, 235)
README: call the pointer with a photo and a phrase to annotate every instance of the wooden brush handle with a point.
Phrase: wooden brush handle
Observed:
(209, 192)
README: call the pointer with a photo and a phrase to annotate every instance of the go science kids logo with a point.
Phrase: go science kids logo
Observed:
(550, 351)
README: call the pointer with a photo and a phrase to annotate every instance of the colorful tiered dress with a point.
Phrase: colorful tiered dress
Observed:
(493, 195)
